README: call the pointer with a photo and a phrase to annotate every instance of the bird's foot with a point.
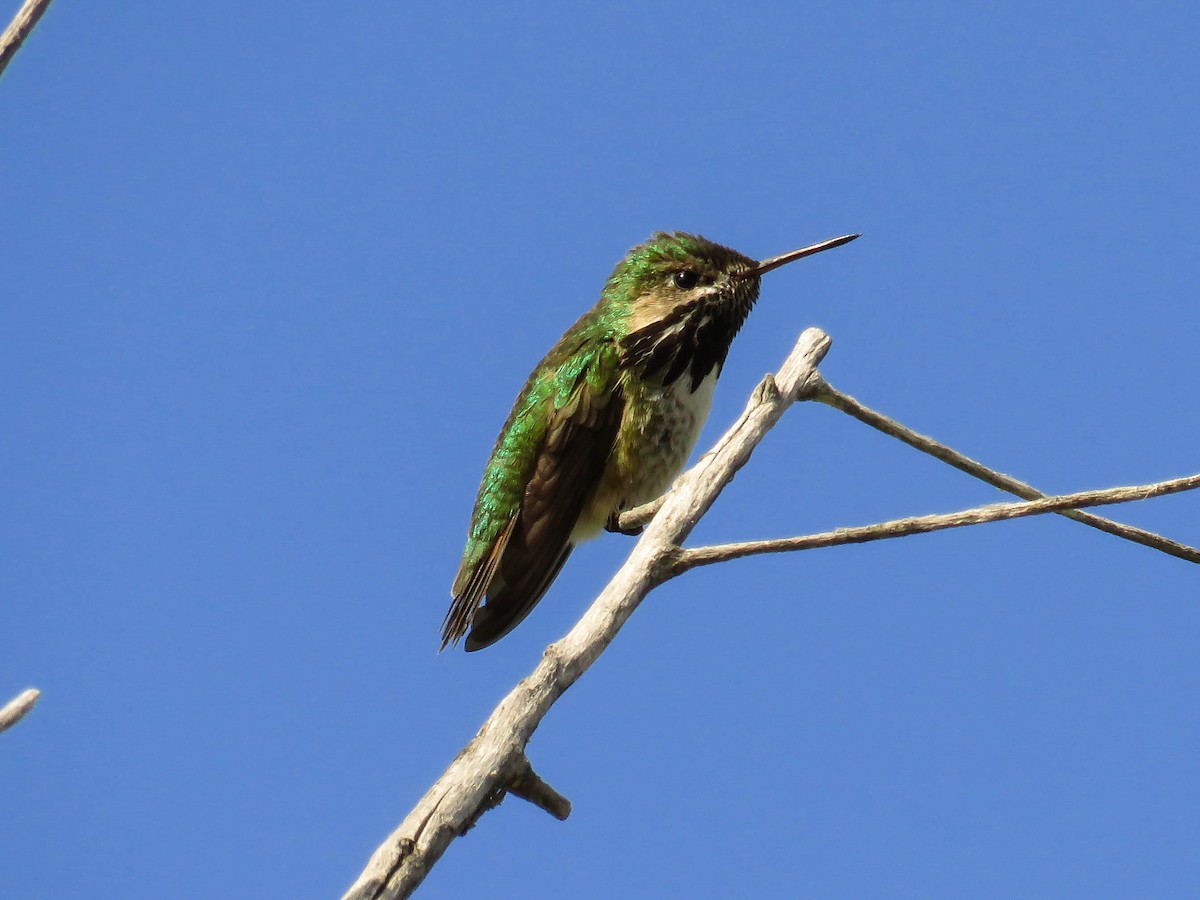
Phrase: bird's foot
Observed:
(613, 525)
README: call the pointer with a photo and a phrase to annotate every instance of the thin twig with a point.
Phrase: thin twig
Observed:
(702, 556)
(17, 707)
(19, 29)
(829, 395)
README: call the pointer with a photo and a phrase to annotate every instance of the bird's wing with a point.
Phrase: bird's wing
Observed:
(529, 549)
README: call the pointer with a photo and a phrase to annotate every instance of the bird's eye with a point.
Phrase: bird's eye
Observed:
(685, 280)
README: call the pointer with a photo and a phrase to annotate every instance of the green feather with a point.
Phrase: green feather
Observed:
(586, 354)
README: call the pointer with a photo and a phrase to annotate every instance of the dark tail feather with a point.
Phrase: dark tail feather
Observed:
(506, 607)
(470, 585)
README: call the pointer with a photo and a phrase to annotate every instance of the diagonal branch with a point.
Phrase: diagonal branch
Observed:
(494, 762)
(702, 556)
(829, 395)
(19, 28)
(15, 709)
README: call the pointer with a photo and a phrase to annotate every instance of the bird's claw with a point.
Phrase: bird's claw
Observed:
(613, 525)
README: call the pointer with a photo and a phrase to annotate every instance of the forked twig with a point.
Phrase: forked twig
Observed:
(690, 558)
(831, 396)
(495, 761)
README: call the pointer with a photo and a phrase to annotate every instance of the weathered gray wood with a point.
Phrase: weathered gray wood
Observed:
(15, 709)
(19, 28)
(830, 396)
(996, 512)
(494, 763)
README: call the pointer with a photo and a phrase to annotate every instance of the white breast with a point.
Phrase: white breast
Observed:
(656, 439)
(672, 432)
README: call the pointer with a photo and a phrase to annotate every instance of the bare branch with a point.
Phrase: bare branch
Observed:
(19, 29)
(494, 761)
(16, 708)
(830, 396)
(703, 556)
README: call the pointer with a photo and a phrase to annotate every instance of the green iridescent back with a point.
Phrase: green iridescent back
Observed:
(587, 349)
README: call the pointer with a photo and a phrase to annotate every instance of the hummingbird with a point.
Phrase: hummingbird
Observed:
(605, 422)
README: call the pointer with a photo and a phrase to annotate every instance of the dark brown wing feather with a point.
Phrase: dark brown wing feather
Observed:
(530, 552)
(470, 585)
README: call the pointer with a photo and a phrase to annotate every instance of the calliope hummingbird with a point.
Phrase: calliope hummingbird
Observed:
(605, 422)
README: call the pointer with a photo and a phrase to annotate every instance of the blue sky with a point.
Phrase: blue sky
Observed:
(272, 275)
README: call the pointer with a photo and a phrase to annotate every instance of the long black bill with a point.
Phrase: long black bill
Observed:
(783, 259)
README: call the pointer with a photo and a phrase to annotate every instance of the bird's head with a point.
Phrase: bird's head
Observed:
(680, 290)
